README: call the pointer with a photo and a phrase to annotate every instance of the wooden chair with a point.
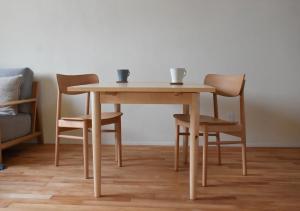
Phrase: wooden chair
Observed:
(228, 86)
(84, 122)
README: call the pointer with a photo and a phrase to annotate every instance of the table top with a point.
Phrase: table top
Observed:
(141, 87)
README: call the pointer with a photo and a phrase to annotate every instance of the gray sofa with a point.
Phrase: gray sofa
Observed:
(23, 126)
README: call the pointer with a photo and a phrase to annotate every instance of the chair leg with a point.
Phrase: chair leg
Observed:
(116, 143)
(218, 148)
(119, 143)
(244, 157)
(56, 148)
(176, 164)
(85, 151)
(204, 159)
(186, 146)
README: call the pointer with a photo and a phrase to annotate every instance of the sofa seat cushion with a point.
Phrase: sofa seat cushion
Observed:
(14, 126)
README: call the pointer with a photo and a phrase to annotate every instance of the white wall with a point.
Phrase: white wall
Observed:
(258, 37)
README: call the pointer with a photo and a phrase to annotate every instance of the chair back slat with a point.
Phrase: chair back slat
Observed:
(226, 85)
(65, 81)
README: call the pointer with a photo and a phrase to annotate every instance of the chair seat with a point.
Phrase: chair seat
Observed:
(104, 116)
(78, 121)
(204, 120)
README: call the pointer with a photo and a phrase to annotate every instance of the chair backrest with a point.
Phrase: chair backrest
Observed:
(64, 81)
(226, 85)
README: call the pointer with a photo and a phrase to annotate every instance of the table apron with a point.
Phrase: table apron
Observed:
(145, 98)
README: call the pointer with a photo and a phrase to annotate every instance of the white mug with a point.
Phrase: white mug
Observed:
(177, 74)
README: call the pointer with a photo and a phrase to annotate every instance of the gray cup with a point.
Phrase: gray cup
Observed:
(123, 75)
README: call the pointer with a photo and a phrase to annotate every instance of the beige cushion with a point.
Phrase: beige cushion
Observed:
(9, 91)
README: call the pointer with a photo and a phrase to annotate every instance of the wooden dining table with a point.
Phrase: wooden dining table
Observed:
(144, 93)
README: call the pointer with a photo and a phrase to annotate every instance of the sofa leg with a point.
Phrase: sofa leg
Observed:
(40, 139)
(2, 166)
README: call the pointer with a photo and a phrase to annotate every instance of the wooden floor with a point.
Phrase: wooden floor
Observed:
(147, 181)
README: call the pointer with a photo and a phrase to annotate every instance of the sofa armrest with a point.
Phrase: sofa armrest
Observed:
(18, 102)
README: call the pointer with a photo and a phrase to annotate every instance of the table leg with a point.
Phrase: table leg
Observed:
(96, 141)
(194, 131)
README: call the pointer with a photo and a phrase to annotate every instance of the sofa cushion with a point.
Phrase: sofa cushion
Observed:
(10, 91)
(12, 127)
(26, 87)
